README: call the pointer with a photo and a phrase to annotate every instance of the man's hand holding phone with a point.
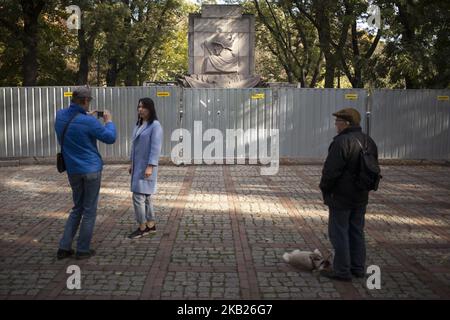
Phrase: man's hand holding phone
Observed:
(107, 117)
(105, 114)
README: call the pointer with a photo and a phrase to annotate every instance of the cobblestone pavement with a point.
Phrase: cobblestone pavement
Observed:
(221, 234)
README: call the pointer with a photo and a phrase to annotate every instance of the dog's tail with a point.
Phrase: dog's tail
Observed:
(286, 257)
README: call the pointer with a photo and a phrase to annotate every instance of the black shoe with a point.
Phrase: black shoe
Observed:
(138, 233)
(358, 275)
(331, 275)
(85, 255)
(150, 230)
(62, 254)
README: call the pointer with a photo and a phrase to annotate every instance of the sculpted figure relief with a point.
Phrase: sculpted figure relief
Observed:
(221, 49)
(221, 58)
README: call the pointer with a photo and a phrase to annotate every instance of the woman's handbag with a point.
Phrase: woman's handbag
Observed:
(60, 164)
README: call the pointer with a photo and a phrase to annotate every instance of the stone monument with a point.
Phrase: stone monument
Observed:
(221, 48)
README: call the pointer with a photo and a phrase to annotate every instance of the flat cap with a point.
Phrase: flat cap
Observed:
(349, 114)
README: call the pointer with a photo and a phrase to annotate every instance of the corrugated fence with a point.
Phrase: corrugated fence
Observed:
(411, 124)
(406, 124)
(306, 122)
(27, 117)
(224, 109)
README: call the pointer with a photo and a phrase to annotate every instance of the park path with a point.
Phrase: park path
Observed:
(221, 234)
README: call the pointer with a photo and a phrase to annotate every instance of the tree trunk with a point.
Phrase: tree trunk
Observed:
(357, 63)
(132, 72)
(130, 58)
(31, 11)
(316, 71)
(408, 38)
(330, 67)
(290, 76)
(111, 74)
(86, 43)
(83, 69)
(339, 79)
(30, 64)
(98, 69)
(324, 31)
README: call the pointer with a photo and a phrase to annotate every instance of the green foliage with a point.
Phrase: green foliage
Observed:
(314, 42)
(287, 46)
(417, 45)
(143, 40)
(54, 50)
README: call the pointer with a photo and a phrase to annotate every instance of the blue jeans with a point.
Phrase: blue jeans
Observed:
(85, 193)
(346, 231)
(143, 208)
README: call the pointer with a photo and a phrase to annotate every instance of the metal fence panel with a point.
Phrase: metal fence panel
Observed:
(306, 121)
(411, 124)
(406, 124)
(27, 116)
(227, 109)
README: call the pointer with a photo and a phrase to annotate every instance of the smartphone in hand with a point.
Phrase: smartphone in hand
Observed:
(100, 114)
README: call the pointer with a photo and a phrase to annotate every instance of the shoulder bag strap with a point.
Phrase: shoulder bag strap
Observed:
(65, 129)
(360, 144)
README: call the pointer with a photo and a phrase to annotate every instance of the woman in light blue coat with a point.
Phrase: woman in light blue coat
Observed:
(145, 152)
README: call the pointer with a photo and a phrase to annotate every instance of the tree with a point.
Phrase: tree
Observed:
(360, 47)
(415, 48)
(25, 27)
(292, 41)
(170, 60)
(332, 19)
(87, 35)
(135, 36)
(416, 22)
(31, 11)
(125, 42)
(33, 41)
(56, 49)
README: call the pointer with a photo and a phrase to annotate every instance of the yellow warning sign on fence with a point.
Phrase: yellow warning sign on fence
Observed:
(163, 94)
(258, 96)
(351, 96)
(67, 94)
(443, 98)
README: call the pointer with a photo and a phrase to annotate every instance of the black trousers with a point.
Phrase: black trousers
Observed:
(346, 232)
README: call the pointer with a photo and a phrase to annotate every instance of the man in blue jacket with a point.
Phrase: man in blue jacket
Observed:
(84, 168)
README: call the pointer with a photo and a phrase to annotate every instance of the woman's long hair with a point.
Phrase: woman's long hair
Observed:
(148, 104)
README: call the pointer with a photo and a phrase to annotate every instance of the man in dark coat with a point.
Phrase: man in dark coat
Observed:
(347, 203)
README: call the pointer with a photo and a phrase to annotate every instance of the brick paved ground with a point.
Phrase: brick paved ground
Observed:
(222, 231)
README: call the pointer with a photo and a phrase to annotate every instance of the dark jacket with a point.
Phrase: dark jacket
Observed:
(341, 167)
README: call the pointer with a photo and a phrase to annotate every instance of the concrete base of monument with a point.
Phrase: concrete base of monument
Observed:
(222, 81)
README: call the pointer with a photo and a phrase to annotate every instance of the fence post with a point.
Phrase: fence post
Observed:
(368, 110)
(181, 114)
(275, 107)
(368, 123)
